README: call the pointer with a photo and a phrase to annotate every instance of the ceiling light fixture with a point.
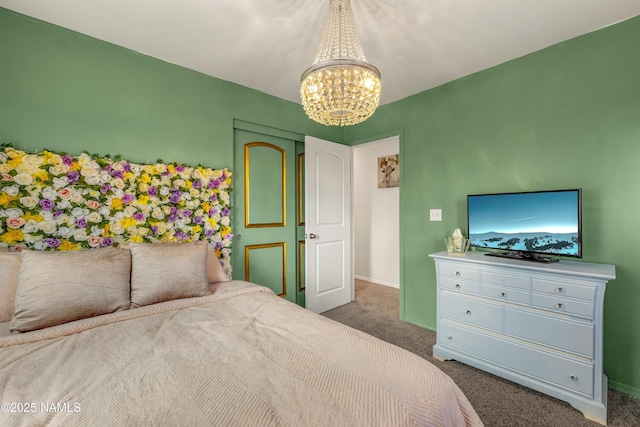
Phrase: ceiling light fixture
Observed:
(341, 88)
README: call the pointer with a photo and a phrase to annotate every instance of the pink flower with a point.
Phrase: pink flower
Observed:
(93, 204)
(15, 222)
(6, 177)
(65, 193)
(95, 241)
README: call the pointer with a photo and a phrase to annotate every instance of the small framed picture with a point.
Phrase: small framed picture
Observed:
(388, 171)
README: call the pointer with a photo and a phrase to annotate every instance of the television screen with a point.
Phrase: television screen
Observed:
(541, 222)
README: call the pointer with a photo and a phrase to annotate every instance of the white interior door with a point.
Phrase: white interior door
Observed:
(328, 259)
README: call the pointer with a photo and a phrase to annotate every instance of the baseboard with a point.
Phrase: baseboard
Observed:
(631, 391)
(378, 282)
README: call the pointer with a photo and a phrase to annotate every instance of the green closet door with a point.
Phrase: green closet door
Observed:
(264, 211)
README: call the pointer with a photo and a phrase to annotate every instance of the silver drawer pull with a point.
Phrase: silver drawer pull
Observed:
(468, 312)
(560, 290)
(457, 286)
(573, 377)
(503, 294)
(449, 337)
(560, 305)
(458, 273)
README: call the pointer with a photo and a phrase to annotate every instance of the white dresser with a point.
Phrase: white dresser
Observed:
(539, 325)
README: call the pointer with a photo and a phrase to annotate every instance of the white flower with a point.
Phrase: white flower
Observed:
(118, 183)
(11, 190)
(60, 182)
(39, 245)
(119, 216)
(96, 231)
(29, 201)
(135, 168)
(49, 193)
(179, 223)
(30, 226)
(77, 198)
(3, 158)
(104, 176)
(88, 170)
(65, 232)
(217, 237)
(116, 228)
(47, 215)
(143, 231)
(77, 212)
(80, 234)
(23, 179)
(118, 192)
(92, 180)
(225, 221)
(13, 213)
(63, 204)
(94, 217)
(129, 211)
(157, 213)
(104, 211)
(32, 159)
(48, 227)
(164, 191)
(58, 169)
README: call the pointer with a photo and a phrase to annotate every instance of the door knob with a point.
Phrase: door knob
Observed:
(312, 236)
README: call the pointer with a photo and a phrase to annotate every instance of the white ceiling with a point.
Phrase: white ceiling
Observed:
(267, 44)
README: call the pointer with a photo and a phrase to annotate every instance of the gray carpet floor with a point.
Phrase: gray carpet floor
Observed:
(498, 402)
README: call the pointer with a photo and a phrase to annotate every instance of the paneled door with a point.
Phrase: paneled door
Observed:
(265, 210)
(329, 273)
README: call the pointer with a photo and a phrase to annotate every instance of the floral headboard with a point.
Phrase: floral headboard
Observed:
(52, 201)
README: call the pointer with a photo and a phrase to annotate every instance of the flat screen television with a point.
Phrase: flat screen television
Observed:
(528, 225)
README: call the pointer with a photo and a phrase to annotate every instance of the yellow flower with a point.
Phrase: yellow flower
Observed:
(196, 229)
(31, 216)
(212, 222)
(206, 206)
(128, 222)
(5, 199)
(171, 169)
(66, 245)
(13, 153)
(218, 253)
(128, 176)
(116, 203)
(225, 231)
(145, 178)
(42, 175)
(14, 163)
(143, 200)
(12, 236)
(137, 239)
(188, 184)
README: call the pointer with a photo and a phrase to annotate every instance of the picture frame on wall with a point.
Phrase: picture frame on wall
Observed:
(389, 171)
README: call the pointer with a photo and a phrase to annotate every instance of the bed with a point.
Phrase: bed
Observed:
(155, 334)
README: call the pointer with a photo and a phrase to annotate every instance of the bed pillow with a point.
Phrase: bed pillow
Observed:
(167, 271)
(215, 272)
(10, 271)
(59, 287)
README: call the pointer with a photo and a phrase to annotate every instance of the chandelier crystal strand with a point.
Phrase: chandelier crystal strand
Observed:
(341, 88)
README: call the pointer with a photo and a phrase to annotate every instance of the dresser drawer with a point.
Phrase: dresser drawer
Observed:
(574, 337)
(446, 270)
(459, 285)
(503, 293)
(563, 289)
(501, 279)
(477, 313)
(562, 305)
(548, 367)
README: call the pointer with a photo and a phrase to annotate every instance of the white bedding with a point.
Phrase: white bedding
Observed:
(239, 357)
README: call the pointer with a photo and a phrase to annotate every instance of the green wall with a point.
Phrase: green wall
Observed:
(66, 91)
(564, 117)
(567, 116)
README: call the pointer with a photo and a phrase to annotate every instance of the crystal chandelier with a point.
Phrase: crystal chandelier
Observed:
(341, 88)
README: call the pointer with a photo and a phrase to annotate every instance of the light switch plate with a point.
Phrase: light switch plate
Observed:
(435, 214)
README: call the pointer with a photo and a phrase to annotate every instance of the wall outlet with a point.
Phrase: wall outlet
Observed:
(435, 214)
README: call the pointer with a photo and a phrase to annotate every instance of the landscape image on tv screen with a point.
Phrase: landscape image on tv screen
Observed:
(540, 222)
